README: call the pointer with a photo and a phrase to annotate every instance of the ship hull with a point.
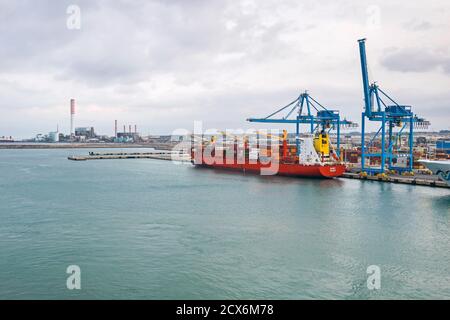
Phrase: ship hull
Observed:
(283, 169)
(439, 168)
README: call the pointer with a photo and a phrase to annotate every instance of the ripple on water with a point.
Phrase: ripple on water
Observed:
(150, 229)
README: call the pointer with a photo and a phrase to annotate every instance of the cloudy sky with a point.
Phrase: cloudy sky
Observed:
(163, 64)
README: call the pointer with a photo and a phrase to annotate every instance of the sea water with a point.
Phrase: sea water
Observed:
(152, 229)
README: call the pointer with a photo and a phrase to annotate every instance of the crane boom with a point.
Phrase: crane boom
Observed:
(365, 77)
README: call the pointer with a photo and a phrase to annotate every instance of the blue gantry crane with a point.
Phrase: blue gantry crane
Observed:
(300, 112)
(392, 115)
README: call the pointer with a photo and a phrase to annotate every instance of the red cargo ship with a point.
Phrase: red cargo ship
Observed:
(315, 159)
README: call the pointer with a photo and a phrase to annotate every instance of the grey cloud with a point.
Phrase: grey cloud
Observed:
(129, 41)
(418, 25)
(415, 60)
(241, 58)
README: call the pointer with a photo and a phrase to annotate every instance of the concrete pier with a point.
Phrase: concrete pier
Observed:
(430, 181)
(159, 155)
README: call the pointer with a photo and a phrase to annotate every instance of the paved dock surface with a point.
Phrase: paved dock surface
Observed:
(159, 155)
(421, 180)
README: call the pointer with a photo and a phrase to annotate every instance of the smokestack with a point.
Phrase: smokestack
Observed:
(129, 128)
(135, 128)
(115, 128)
(124, 130)
(72, 115)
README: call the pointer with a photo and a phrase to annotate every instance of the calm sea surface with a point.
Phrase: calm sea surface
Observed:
(150, 229)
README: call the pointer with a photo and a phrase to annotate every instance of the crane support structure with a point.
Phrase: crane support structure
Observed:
(391, 115)
(300, 112)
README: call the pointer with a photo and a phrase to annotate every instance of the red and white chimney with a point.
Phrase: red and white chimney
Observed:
(72, 115)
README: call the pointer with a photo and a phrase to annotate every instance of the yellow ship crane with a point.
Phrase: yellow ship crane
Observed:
(322, 144)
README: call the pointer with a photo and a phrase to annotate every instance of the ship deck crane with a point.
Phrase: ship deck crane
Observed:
(300, 112)
(283, 138)
(390, 114)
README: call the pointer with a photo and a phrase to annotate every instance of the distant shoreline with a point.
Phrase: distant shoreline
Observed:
(25, 145)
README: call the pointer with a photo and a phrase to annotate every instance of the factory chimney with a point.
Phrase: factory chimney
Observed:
(115, 128)
(72, 116)
(135, 128)
(129, 128)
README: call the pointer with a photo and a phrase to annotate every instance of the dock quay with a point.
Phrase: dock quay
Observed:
(429, 181)
(159, 155)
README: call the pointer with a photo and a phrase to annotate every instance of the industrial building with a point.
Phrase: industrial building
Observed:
(443, 146)
(85, 132)
(6, 139)
(126, 136)
(53, 136)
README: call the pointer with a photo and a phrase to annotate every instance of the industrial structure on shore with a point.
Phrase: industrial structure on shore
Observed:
(397, 146)
(389, 150)
(85, 134)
